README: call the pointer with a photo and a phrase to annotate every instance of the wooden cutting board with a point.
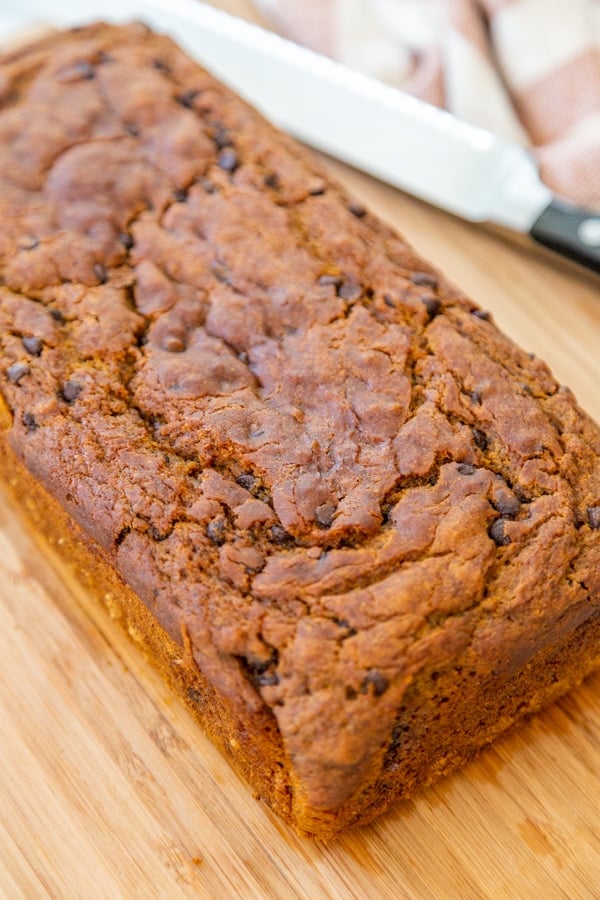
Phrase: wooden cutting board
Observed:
(109, 790)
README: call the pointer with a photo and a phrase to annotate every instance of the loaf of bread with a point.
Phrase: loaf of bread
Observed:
(355, 527)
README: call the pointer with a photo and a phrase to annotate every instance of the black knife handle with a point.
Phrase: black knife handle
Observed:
(570, 230)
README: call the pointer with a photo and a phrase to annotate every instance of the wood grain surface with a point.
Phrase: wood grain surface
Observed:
(108, 789)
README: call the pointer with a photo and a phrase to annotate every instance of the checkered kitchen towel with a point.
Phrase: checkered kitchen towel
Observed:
(526, 69)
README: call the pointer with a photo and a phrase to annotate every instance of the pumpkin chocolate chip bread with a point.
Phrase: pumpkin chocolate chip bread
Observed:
(354, 526)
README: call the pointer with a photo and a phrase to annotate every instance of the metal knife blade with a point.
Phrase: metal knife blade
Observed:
(422, 150)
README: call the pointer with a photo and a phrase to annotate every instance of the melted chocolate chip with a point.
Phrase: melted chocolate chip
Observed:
(593, 515)
(377, 681)
(222, 137)
(324, 514)
(32, 344)
(29, 421)
(126, 239)
(357, 210)
(187, 98)
(179, 195)
(507, 505)
(272, 181)
(389, 301)
(85, 69)
(350, 291)
(466, 469)
(216, 531)
(58, 316)
(228, 159)
(71, 390)
(162, 66)
(278, 534)
(267, 679)
(431, 304)
(480, 438)
(481, 314)
(17, 371)
(247, 481)
(498, 534)
(424, 278)
(100, 272)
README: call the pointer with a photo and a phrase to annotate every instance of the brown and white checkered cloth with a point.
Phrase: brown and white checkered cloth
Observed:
(526, 69)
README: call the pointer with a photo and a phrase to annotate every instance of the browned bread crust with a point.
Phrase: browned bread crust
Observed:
(356, 527)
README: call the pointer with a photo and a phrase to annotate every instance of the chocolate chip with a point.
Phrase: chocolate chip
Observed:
(126, 239)
(336, 280)
(179, 195)
(507, 505)
(215, 531)
(100, 273)
(272, 181)
(32, 344)
(349, 291)
(324, 514)
(497, 533)
(246, 481)
(278, 534)
(431, 304)
(593, 514)
(187, 98)
(378, 681)
(389, 301)
(173, 343)
(222, 137)
(481, 314)
(480, 438)
(466, 469)
(425, 278)
(29, 421)
(267, 679)
(58, 316)
(17, 371)
(71, 390)
(357, 210)
(220, 271)
(228, 159)
(85, 69)
(28, 243)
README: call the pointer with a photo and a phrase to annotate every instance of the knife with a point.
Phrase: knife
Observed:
(409, 144)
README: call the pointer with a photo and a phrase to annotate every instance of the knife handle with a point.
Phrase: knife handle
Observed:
(570, 230)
